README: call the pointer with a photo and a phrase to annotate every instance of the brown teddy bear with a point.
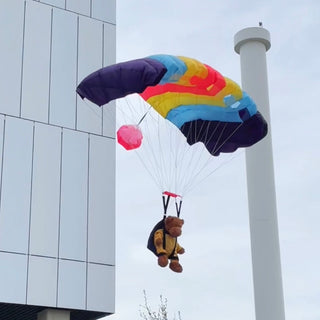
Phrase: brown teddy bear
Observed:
(163, 242)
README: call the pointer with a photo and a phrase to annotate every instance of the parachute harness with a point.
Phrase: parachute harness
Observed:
(166, 195)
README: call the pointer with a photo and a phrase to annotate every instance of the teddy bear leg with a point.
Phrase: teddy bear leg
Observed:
(163, 260)
(175, 266)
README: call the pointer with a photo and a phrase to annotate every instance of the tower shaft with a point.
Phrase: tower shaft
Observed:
(252, 44)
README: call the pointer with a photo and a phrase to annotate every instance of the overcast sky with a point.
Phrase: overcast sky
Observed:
(217, 278)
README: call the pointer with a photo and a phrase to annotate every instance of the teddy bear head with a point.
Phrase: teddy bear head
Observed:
(173, 226)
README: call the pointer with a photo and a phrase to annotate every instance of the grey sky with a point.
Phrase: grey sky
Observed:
(217, 279)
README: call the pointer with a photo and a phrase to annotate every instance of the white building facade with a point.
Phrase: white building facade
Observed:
(57, 160)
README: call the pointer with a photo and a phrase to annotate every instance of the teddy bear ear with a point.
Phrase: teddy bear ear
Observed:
(169, 219)
(182, 221)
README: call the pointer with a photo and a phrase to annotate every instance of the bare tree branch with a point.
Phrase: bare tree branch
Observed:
(146, 312)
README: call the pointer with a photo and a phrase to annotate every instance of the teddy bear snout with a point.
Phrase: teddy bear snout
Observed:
(175, 232)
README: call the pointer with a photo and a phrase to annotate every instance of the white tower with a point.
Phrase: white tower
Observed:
(252, 44)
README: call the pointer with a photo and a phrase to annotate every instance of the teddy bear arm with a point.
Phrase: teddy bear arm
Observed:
(158, 242)
(180, 249)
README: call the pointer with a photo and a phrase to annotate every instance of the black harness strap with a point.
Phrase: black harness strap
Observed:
(165, 205)
(178, 208)
(165, 208)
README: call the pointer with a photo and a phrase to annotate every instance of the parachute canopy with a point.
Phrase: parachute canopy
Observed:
(206, 106)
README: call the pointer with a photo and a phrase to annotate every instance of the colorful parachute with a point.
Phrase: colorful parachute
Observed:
(197, 99)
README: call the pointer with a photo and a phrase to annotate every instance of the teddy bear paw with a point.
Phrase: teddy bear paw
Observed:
(175, 266)
(163, 261)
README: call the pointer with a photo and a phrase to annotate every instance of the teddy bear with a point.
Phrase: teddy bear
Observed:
(163, 242)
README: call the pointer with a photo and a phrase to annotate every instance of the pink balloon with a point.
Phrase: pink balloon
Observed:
(129, 136)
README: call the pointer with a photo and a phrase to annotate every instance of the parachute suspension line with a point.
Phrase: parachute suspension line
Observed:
(196, 177)
(163, 163)
(154, 162)
(175, 174)
(183, 161)
(211, 172)
(200, 169)
(151, 147)
(202, 153)
(93, 109)
(172, 159)
(156, 181)
(182, 150)
(230, 135)
(125, 108)
(131, 108)
(130, 112)
(177, 146)
(164, 151)
(191, 164)
(168, 149)
(99, 113)
(181, 168)
(156, 143)
(110, 114)
(175, 152)
(218, 140)
(162, 157)
(168, 157)
(168, 160)
(193, 170)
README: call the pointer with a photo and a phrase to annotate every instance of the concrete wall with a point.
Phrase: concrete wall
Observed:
(57, 163)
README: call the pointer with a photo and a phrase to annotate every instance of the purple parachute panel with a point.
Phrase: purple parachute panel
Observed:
(117, 81)
(226, 137)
